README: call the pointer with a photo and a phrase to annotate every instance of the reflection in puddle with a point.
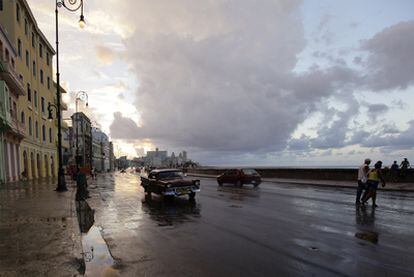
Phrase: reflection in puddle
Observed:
(169, 213)
(98, 259)
(86, 216)
(368, 236)
(238, 194)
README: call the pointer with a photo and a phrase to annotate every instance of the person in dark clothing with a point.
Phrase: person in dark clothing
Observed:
(394, 171)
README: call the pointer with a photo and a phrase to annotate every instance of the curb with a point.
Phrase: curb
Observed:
(310, 184)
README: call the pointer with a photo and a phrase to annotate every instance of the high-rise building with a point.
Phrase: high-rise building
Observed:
(37, 153)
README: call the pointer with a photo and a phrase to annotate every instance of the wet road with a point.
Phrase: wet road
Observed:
(272, 230)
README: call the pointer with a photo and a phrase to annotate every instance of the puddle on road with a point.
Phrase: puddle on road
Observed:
(96, 254)
(98, 259)
(171, 213)
(368, 236)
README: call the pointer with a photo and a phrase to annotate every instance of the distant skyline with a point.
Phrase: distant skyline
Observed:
(279, 83)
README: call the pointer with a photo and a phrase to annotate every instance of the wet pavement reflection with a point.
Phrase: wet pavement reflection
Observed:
(266, 231)
(171, 212)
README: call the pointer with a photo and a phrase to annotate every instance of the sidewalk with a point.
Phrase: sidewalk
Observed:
(409, 187)
(39, 230)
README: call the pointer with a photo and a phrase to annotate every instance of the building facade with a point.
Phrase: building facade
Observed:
(11, 129)
(100, 150)
(82, 139)
(37, 151)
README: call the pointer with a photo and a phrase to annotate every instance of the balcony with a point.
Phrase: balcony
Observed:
(18, 128)
(9, 74)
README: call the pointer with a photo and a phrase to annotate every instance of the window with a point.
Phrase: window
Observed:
(19, 47)
(41, 76)
(48, 82)
(30, 126)
(22, 118)
(27, 58)
(29, 93)
(35, 99)
(33, 39)
(17, 12)
(37, 129)
(43, 132)
(42, 103)
(34, 68)
(26, 27)
(50, 135)
(40, 50)
(1, 5)
(47, 58)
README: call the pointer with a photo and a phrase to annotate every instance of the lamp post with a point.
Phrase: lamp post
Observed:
(80, 96)
(72, 6)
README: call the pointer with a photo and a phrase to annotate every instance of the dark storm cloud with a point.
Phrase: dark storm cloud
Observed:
(390, 65)
(218, 78)
(123, 128)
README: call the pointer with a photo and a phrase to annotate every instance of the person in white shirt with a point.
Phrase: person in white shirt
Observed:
(362, 180)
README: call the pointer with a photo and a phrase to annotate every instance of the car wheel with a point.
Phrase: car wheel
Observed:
(220, 183)
(192, 195)
(255, 185)
(239, 184)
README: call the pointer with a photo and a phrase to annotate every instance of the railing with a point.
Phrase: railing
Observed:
(18, 127)
(12, 78)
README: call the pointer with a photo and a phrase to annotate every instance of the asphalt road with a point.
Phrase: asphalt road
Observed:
(274, 230)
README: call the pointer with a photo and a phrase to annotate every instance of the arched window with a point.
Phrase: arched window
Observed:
(19, 47)
(43, 132)
(30, 126)
(29, 93)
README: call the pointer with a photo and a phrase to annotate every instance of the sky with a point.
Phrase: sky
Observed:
(243, 82)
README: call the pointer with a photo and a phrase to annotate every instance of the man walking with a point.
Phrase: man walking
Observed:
(362, 180)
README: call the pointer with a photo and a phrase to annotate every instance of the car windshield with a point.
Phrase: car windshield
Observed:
(170, 175)
(249, 171)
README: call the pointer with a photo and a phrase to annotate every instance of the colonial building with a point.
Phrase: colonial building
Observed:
(11, 129)
(100, 150)
(37, 152)
(82, 139)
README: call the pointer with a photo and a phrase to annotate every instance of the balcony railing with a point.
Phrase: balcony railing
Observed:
(9, 74)
(15, 126)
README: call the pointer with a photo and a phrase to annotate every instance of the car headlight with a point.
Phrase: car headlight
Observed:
(168, 185)
(197, 183)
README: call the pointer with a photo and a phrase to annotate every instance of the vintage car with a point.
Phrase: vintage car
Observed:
(170, 183)
(239, 177)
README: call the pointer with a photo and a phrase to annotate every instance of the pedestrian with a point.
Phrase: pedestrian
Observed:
(93, 174)
(394, 171)
(362, 180)
(405, 164)
(375, 176)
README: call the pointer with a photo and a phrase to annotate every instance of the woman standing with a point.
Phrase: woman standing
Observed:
(374, 177)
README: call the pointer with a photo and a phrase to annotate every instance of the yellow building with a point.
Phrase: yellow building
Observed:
(38, 151)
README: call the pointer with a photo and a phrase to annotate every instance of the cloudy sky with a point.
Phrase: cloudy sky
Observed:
(269, 82)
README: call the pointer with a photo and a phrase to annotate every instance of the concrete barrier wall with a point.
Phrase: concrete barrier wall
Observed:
(305, 173)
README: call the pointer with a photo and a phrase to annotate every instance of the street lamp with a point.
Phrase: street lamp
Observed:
(80, 96)
(72, 6)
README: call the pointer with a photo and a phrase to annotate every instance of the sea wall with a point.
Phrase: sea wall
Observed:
(304, 173)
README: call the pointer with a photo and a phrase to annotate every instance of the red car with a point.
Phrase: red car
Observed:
(239, 177)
